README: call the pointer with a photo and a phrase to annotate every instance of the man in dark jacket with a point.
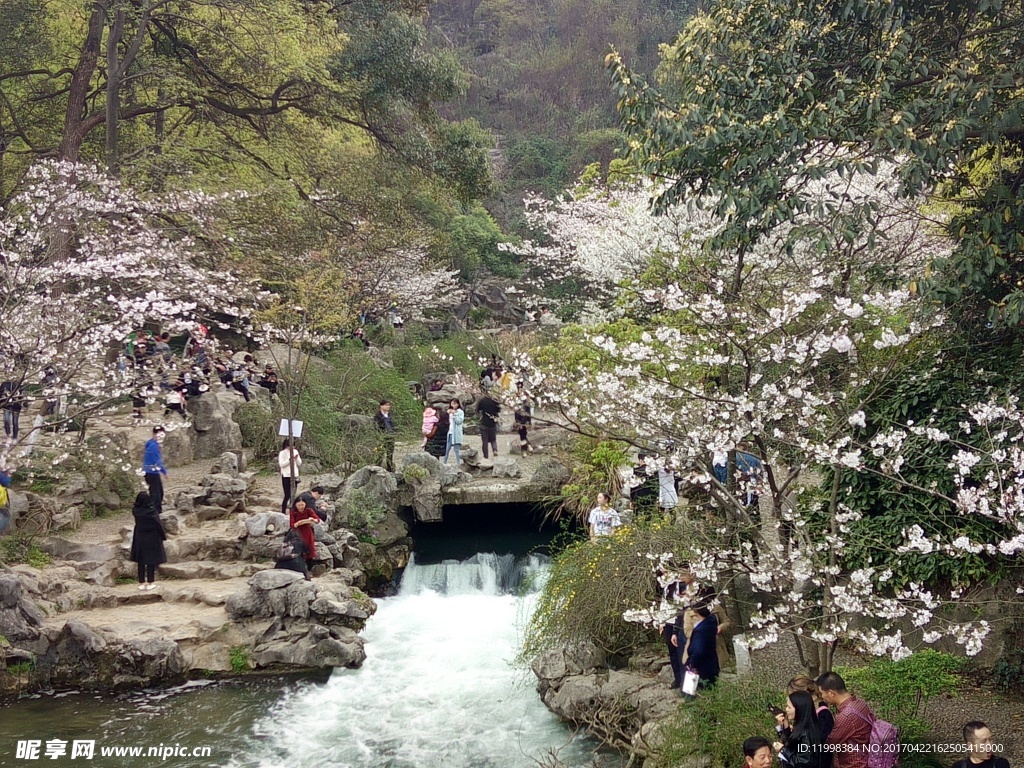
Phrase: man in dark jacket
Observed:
(386, 449)
(489, 409)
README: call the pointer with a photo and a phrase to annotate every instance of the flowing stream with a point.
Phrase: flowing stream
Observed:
(438, 688)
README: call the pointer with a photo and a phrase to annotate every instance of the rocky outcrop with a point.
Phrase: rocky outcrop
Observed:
(428, 478)
(20, 621)
(623, 707)
(311, 623)
(82, 656)
(214, 430)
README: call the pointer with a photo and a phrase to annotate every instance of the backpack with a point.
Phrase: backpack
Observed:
(4, 498)
(285, 552)
(883, 744)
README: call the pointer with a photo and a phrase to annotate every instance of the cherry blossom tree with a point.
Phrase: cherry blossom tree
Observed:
(783, 341)
(601, 237)
(86, 261)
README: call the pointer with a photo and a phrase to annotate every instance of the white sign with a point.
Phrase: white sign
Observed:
(296, 429)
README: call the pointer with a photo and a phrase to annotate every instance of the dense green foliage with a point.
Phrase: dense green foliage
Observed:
(898, 690)
(537, 80)
(760, 99)
(595, 466)
(936, 381)
(319, 117)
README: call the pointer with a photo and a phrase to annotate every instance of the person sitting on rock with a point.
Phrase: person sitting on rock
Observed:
(302, 519)
(291, 555)
(268, 380)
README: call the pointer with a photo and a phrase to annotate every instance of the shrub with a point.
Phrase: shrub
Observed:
(594, 466)
(591, 583)
(899, 689)
(259, 429)
(20, 548)
(715, 724)
(364, 511)
(239, 656)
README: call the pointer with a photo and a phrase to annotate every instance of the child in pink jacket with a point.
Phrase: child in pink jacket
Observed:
(430, 419)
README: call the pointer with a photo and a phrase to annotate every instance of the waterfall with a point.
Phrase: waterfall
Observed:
(438, 688)
(484, 573)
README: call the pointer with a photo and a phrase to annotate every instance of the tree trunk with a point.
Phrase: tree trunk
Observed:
(81, 79)
(114, 76)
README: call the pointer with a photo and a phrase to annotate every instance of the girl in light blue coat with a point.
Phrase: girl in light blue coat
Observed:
(455, 417)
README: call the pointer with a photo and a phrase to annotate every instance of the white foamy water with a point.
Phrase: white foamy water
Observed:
(437, 688)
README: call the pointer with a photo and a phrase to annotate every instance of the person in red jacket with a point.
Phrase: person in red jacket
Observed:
(302, 519)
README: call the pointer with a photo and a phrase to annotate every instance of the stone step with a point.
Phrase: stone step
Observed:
(209, 570)
(86, 599)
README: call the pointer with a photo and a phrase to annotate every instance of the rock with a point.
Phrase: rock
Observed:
(74, 484)
(505, 466)
(266, 523)
(105, 575)
(177, 449)
(423, 473)
(550, 474)
(331, 482)
(310, 645)
(367, 486)
(93, 659)
(20, 619)
(173, 522)
(546, 438)
(227, 464)
(215, 432)
(272, 593)
(66, 519)
(496, 299)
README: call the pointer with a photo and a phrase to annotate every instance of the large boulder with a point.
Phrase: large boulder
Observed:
(215, 431)
(308, 645)
(498, 300)
(20, 619)
(505, 466)
(368, 486)
(84, 657)
(550, 474)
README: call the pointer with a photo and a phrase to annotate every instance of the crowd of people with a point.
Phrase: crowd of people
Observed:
(824, 725)
(156, 372)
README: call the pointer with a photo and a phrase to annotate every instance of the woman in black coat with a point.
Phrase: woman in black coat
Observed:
(702, 651)
(804, 746)
(147, 540)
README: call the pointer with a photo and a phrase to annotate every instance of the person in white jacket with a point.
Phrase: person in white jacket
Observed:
(289, 461)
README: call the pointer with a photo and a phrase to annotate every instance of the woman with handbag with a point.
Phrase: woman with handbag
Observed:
(702, 651)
